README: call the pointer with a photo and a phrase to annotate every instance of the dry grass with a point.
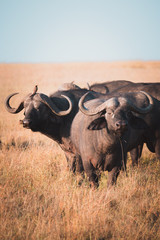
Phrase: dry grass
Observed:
(40, 199)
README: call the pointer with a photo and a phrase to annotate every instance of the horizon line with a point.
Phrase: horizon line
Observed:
(71, 62)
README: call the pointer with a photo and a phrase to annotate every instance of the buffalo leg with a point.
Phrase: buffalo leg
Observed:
(90, 171)
(79, 165)
(136, 154)
(157, 149)
(70, 162)
(112, 176)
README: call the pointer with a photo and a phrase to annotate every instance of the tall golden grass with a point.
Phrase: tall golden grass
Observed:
(40, 199)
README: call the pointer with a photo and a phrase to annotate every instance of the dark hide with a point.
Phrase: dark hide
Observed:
(39, 118)
(152, 139)
(121, 86)
(97, 138)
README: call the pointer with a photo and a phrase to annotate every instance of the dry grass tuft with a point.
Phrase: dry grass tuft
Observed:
(40, 199)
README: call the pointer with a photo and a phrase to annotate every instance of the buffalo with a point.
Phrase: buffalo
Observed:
(104, 130)
(153, 136)
(122, 86)
(52, 116)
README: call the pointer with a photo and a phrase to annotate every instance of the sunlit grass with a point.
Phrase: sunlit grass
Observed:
(41, 199)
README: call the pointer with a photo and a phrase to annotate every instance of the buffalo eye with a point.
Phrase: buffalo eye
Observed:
(109, 112)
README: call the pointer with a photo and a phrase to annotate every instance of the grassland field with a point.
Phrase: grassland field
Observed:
(39, 198)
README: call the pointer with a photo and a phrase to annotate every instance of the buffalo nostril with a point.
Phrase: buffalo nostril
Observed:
(121, 124)
(117, 125)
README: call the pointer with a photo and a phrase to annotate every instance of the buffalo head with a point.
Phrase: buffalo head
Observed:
(116, 113)
(38, 109)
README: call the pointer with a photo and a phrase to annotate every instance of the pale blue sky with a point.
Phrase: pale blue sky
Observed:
(79, 30)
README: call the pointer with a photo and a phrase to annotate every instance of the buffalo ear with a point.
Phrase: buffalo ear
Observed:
(138, 123)
(97, 124)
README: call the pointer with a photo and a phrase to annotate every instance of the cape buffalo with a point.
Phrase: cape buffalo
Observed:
(122, 86)
(53, 117)
(104, 130)
(153, 136)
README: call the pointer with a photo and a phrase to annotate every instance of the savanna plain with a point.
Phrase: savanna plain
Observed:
(40, 198)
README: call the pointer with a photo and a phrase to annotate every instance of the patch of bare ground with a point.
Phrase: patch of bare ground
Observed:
(40, 199)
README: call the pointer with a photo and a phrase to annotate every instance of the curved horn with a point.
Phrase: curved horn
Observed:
(83, 109)
(46, 100)
(113, 101)
(145, 110)
(9, 108)
(90, 112)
